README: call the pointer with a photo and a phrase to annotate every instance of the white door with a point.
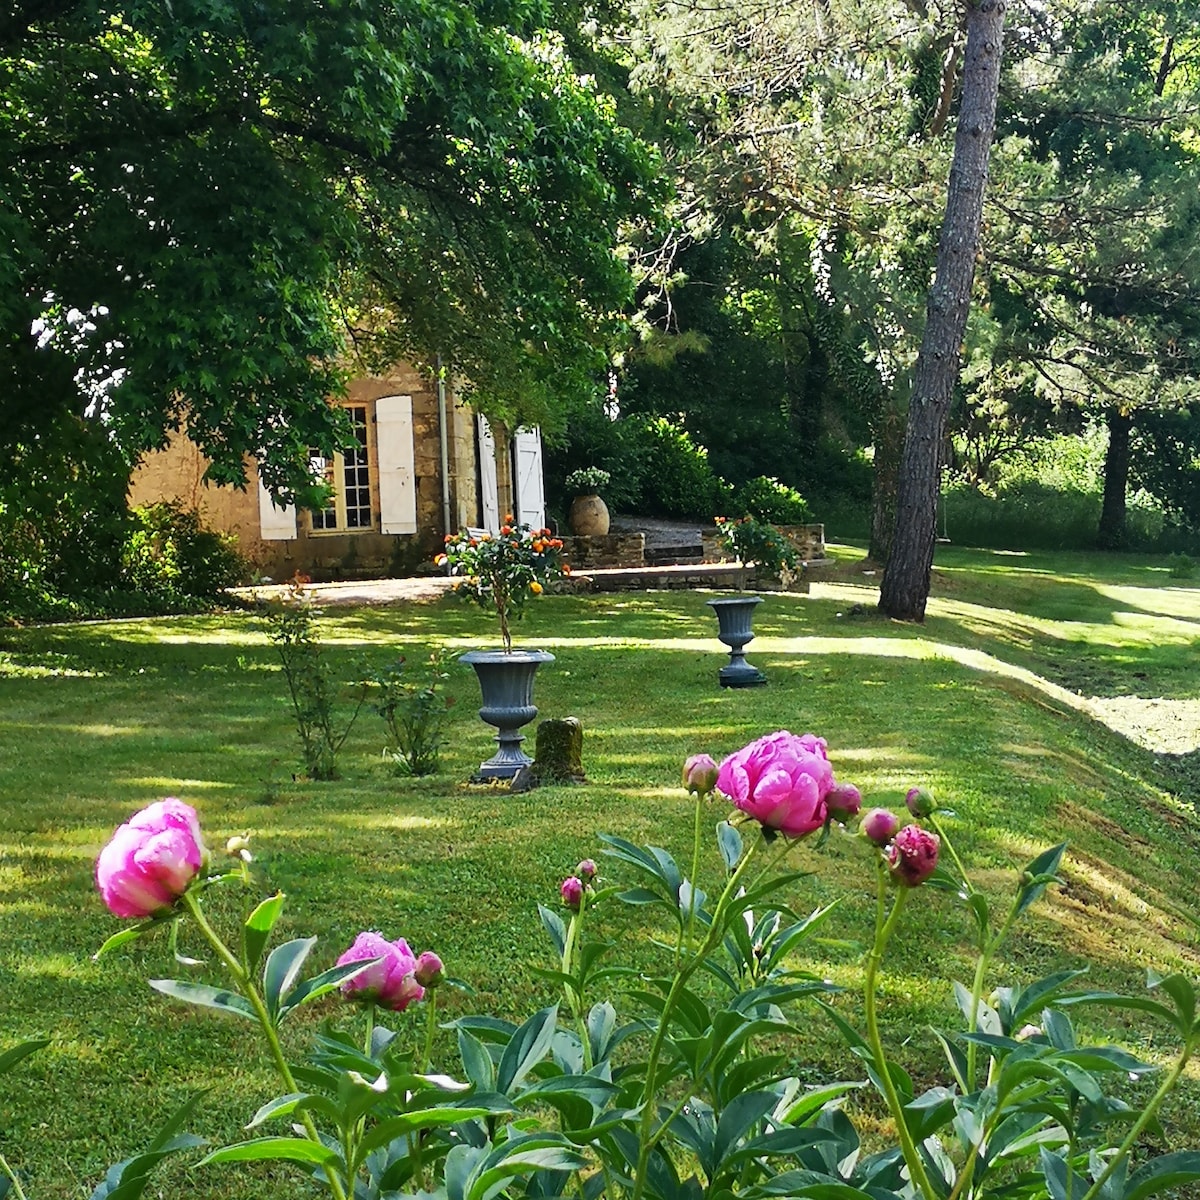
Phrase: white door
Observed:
(489, 492)
(397, 471)
(527, 471)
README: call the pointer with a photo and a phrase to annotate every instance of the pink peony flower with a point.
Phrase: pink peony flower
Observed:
(429, 971)
(391, 982)
(913, 855)
(699, 774)
(844, 799)
(572, 892)
(781, 780)
(920, 802)
(879, 825)
(150, 861)
(586, 870)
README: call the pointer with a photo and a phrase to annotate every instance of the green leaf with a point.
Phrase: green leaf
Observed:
(298, 1150)
(410, 1122)
(257, 930)
(477, 1062)
(601, 1023)
(206, 997)
(1183, 995)
(555, 928)
(308, 990)
(520, 1161)
(526, 1049)
(282, 968)
(729, 841)
(130, 934)
(1166, 1171)
(738, 1119)
(11, 1057)
(1038, 876)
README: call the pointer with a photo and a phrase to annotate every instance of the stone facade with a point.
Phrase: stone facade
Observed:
(177, 473)
(807, 540)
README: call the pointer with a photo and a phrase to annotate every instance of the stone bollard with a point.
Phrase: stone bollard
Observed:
(559, 755)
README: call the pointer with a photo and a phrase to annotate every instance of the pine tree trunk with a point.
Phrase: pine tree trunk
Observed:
(1112, 535)
(906, 580)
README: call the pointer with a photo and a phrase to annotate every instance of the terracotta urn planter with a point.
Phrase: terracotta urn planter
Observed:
(589, 516)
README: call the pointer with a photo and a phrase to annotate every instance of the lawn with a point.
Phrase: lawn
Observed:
(1003, 703)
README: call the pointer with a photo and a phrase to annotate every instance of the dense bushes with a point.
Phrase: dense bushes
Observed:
(168, 553)
(769, 500)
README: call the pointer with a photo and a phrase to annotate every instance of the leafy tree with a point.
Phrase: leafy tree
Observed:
(204, 201)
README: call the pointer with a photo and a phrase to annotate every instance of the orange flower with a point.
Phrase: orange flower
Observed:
(566, 568)
(440, 561)
(539, 545)
(556, 543)
(474, 542)
(535, 588)
(448, 538)
(506, 530)
(508, 518)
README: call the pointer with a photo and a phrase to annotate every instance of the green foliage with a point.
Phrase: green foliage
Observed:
(678, 480)
(207, 196)
(312, 688)
(415, 712)
(587, 480)
(768, 500)
(169, 551)
(501, 572)
(750, 540)
(1181, 566)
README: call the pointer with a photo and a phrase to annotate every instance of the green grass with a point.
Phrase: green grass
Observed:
(988, 703)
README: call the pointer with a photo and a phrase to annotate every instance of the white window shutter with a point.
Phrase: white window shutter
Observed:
(489, 491)
(397, 469)
(275, 524)
(527, 463)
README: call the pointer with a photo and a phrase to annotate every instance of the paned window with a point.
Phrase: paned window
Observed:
(349, 474)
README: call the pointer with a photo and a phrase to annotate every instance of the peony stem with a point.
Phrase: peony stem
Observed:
(17, 1192)
(246, 985)
(648, 1138)
(691, 918)
(430, 1027)
(883, 931)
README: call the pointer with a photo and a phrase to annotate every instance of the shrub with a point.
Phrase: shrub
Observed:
(769, 500)
(311, 687)
(169, 551)
(750, 540)
(679, 481)
(415, 713)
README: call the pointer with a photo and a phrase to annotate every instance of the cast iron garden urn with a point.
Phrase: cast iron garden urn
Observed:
(506, 682)
(734, 617)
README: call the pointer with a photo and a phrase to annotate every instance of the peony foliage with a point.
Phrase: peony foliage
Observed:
(676, 1084)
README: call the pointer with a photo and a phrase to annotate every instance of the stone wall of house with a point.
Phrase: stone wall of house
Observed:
(178, 473)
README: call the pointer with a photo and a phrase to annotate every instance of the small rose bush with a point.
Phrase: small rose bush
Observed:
(685, 1092)
(501, 571)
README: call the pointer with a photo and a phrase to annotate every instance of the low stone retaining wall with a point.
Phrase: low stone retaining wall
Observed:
(610, 550)
(808, 541)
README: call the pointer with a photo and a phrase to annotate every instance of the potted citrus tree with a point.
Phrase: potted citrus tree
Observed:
(501, 572)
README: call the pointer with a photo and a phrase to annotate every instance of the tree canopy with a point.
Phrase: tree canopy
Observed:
(207, 203)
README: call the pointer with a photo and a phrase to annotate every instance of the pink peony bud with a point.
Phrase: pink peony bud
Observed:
(912, 856)
(390, 983)
(429, 971)
(586, 870)
(572, 892)
(781, 780)
(151, 859)
(843, 800)
(920, 802)
(699, 774)
(1028, 1031)
(879, 825)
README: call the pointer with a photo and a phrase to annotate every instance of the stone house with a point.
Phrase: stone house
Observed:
(425, 464)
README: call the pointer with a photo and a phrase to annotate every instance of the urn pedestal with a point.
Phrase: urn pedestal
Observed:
(734, 617)
(506, 683)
